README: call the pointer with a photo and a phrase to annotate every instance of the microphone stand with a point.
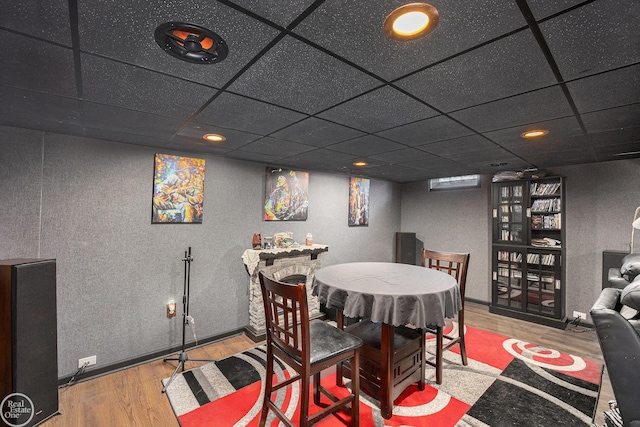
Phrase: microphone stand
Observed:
(183, 357)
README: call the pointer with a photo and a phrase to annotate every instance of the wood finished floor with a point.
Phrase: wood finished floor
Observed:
(132, 397)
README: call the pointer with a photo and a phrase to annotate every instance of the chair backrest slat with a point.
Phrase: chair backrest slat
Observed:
(286, 315)
(454, 264)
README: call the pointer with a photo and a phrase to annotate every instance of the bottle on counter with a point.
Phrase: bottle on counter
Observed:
(309, 240)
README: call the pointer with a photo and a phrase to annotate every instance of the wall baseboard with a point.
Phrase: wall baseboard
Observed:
(477, 301)
(129, 363)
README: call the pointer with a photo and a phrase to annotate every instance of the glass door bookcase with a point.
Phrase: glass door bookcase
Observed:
(508, 213)
(527, 250)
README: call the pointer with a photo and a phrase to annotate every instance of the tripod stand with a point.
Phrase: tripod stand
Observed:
(183, 357)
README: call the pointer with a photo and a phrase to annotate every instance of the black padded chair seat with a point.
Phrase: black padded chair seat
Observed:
(371, 334)
(327, 341)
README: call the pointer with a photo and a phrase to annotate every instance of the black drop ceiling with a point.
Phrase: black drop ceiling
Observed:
(316, 85)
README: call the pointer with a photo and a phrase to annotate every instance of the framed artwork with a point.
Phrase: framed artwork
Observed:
(358, 202)
(178, 190)
(286, 195)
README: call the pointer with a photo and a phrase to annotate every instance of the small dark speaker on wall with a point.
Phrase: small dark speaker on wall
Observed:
(28, 341)
(191, 43)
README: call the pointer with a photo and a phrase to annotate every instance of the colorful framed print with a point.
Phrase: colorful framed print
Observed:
(358, 202)
(178, 190)
(286, 195)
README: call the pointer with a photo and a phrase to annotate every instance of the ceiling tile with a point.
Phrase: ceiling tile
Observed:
(459, 145)
(111, 83)
(437, 168)
(323, 156)
(353, 30)
(436, 164)
(238, 112)
(297, 76)
(43, 19)
(397, 173)
(194, 132)
(544, 8)
(253, 157)
(317, 132)
(424, 131)
(598, 36)
(540, 105)
(273, 147)
(606, 90)
(488, 158)
(366, 145)
(545, 147)
(126, 121)
(402, 155)
(563, 158)
(36, 65)
(558, 128)
(38, 107)
(506, 67)
(630, 150)
(616, 136)
(379, 109)
(613, 118)
(281, 12)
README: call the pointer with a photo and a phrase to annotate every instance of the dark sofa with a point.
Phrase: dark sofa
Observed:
(620, 277)
(616, 317)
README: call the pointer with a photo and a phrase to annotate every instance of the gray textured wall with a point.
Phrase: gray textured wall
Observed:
(87, 203)
(454, 221)
(601, 199)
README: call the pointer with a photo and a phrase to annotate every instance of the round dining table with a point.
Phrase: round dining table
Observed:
(392, 294)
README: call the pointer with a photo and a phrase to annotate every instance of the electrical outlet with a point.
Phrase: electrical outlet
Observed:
(91, 360)
(171, 309)
(578, 314)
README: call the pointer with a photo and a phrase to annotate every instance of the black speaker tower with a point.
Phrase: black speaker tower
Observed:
(28, 341)
(408, 248)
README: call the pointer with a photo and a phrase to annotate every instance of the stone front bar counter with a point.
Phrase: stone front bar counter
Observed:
(284, 264)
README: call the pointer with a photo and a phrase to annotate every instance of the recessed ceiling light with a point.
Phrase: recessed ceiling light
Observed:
(360, 164)
(535, 133)
(214, 137)
(411, 21)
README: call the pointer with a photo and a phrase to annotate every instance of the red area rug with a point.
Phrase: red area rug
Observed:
(507, 382)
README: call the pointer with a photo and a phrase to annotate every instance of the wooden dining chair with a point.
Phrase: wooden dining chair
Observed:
(456, 265)
(308, 348)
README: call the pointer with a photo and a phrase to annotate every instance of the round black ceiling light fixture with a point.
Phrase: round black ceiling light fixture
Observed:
(411, 21)
(191, 43)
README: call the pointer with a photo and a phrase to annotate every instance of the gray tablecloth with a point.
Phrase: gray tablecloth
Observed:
(392, 293)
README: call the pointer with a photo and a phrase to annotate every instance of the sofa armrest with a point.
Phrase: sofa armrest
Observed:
(615, 278)
(620, 345)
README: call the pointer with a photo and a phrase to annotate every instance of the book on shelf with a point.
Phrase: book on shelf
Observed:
(546, 222)
(545, 242)
(544, 189)
(546, 205)
(542, 259)
(537, 222)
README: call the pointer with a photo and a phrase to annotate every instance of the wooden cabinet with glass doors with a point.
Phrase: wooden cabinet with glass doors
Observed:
(527, 251)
